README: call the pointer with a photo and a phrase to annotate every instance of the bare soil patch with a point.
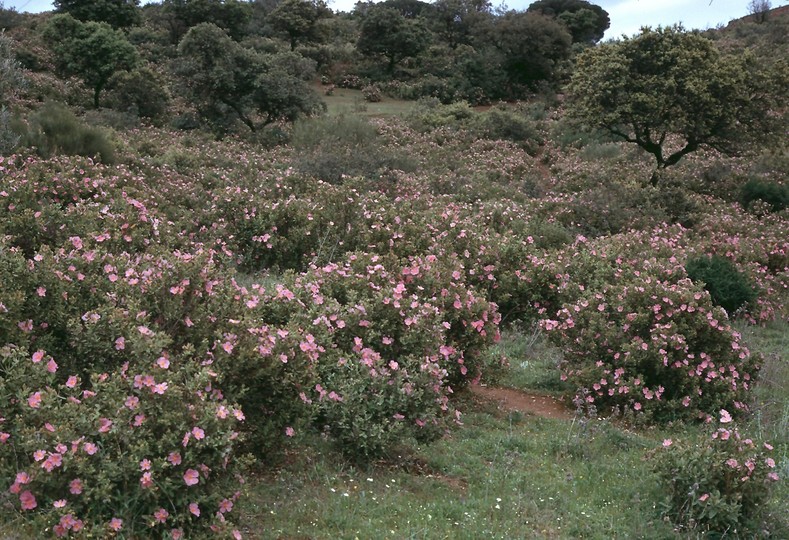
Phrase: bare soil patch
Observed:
(525, 402)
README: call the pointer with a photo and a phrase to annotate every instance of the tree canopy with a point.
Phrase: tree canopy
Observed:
(586, 22)
(386, 32)
(227, 80)
(93, 51)
(116, 13)
(672, 92)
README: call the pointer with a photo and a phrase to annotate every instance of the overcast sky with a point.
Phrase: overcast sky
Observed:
(627, 16)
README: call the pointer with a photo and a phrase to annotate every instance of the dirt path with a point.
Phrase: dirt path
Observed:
(525, 402)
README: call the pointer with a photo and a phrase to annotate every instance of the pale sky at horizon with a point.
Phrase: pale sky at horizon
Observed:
(627, 16)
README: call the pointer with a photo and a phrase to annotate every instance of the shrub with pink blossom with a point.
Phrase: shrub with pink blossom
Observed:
(717, 482)
(144, 450)
(656, 345)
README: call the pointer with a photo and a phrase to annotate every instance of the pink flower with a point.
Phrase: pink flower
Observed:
(237, 534)
(132, 402)
(704, 497)
(90, 448)
(289, 431)
(194, 508)
(34, 400)
(225, 505)
(191, 477)
(725, 416)
(28, 500)
(227, 347)
(145, 465)
(22, 477)
(72, 381)
(104, 425)
(60, 503)
(75, 486)
(174, 458)
(38, 356)
(146, 480)
(177, 534)
(116, 524)
(667, 442)
(161, 515)
(120, 343)
(163, 362)
(198, 433)
(52, 366)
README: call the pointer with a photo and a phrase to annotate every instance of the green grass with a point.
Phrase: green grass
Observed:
(505, 475)
(533, 362)
(345, 100)
(500, 476)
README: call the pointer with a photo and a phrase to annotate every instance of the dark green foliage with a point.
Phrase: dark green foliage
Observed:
(775, 195)
(298, 19)
(728, 287)
(586, 22)
(508, 125)
(93, 51)
(669, 82)
(230, 15)
(116, 13)
(533, 46)
(228, 82)
(141, 92)
(385, 32)
(55, 130)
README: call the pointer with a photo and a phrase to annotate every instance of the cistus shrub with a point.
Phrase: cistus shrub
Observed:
(728, 287)
(653, 346)
(144, 450)
(717, 482)
(386, 340)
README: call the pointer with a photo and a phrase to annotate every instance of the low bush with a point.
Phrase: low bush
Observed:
(508, 125)
(728, 287)
(719, 483)
(145, 450)
(54, 130)
(654, 345)
(776, 196)
(372, 94)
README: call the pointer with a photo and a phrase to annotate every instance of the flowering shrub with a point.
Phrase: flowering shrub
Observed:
(653, 345)
(718, 483)
(145, 450)
(388, 342)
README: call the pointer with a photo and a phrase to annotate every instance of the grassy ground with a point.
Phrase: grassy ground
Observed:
(505, 474)
(345, 100)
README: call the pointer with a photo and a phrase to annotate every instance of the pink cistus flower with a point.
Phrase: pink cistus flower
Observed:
(191, 477)
(27, 500)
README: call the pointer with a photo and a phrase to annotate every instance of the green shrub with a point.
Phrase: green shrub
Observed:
(54, 130)
(728, 287)
(332, 148)
(771, 193)
(507, 125)
(141, 92)
(717, 484)
(8, 137)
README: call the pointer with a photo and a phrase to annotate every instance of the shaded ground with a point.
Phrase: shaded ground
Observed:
(525, 402)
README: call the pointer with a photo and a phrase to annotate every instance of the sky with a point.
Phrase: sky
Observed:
(627, 16)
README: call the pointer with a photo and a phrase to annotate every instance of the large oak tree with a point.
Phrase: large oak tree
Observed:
(672, 92)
